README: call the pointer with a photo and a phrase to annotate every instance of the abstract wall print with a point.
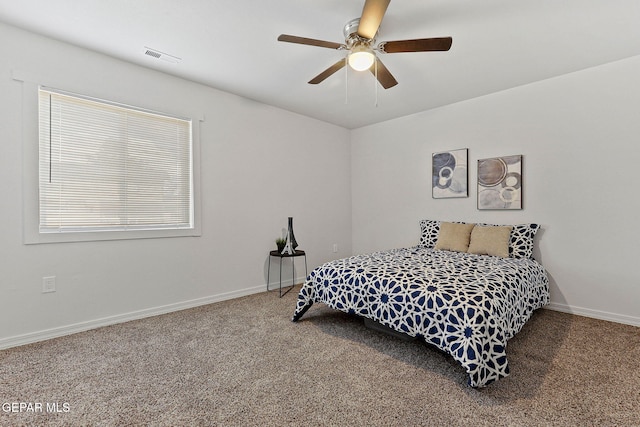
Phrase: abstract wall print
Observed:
(500, 183)
(449, 174)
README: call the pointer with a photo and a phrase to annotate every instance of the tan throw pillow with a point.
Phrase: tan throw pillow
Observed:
(490, 240)
(454, 237)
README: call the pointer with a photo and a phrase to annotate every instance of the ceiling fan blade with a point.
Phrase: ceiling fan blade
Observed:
(384, 76)
(416, 45)
(329, 71)
(372, 14)
(311, 42)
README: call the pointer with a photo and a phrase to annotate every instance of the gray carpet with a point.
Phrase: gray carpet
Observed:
(244, 363)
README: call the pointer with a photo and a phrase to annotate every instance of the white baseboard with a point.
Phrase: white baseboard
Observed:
(46, 334)
(596, 314)
(285, 282)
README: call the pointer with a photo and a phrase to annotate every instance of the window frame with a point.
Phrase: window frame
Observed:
(31, 192)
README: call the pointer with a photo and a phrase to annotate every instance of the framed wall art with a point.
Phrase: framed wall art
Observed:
(449, 177)
(500, 183)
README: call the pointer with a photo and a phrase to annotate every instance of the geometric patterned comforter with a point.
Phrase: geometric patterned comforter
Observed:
(467, 305)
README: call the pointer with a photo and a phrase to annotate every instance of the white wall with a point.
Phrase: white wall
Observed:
(579, 135)
(247, 152)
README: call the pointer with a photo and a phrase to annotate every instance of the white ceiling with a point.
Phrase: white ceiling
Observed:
(231, 45)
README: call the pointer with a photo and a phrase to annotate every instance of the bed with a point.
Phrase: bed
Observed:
(468, 303)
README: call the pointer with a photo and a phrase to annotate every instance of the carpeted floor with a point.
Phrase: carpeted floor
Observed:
(244, 363)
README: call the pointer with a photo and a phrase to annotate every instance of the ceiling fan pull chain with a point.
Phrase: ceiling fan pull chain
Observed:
(346, 80)
(376, 81)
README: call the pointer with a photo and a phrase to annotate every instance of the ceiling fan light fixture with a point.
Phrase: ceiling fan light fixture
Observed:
(361, 58)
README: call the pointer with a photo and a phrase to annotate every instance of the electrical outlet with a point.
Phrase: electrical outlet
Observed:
(48, 284)
(335, 248)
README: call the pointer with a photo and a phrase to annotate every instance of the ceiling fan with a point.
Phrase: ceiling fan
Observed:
(360, 37)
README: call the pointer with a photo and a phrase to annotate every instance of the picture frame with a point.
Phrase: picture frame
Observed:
(449, 174)
(500, 183)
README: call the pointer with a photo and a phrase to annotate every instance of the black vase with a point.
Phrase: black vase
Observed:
(292, 238)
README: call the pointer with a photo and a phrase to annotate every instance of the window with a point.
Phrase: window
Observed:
(108, 167)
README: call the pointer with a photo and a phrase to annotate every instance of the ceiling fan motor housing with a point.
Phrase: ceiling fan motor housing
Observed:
(351, 27)
(352, 38)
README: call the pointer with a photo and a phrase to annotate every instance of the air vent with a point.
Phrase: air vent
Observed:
(154, 53)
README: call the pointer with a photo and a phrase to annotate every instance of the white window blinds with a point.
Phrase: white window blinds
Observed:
(107, 167)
